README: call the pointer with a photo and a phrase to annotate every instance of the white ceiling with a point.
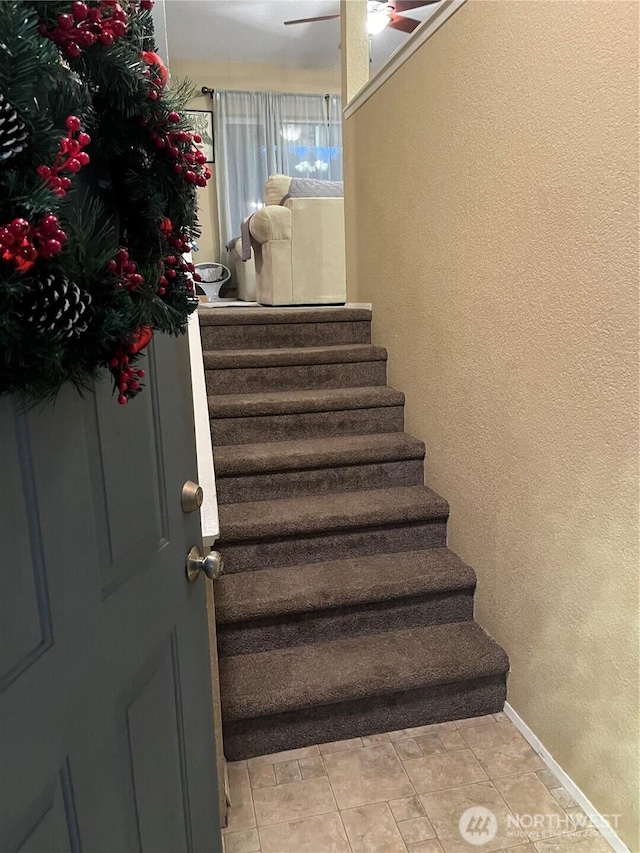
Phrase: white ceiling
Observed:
(253, 31)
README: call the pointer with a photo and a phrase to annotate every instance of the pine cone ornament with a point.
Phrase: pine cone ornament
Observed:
(13, 133)
(57, 305)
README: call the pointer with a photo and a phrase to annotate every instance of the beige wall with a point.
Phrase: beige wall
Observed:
(354, 47)
(244, 77)
(494, 226)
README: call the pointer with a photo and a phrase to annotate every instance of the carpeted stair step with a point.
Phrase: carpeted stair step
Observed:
(258, 328)
(268, 534)
(345, 511)
(293, 415)
(247, 371)
(297, 605)
(278, 469)
(292, 697)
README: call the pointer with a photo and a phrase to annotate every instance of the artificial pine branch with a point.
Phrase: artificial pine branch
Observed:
(67, 75)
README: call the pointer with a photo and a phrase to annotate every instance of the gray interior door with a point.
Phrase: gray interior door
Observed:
(105, 694)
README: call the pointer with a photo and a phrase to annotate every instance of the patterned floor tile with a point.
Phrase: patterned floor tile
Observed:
(367, 775)
(241, 814)
(407, 808)
(293, 801)
(486, 720)
(501, 749)
(477, 810)
(340, 745)
(422, 730)
(312, 767)
(319, 834)
(416, 829)
(289, 755)
(245, 841)
(589, 841)
(454, 787)
(287, 771)
(446, 770)
(537, 811)
(431, 846)
(452, 740)
(262, 776)
(372, 829)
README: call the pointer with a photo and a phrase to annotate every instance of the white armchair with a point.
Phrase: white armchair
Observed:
(299, 248)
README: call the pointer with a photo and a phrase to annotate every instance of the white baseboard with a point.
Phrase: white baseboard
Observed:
(581, 799)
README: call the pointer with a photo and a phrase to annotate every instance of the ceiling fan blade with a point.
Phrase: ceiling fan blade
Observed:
(408, 5)
(311, 20)
(405, 25)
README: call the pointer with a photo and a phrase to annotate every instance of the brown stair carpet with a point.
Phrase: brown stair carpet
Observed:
(257, 472)
(291, 415)
(357, 365)
(341, 612)
(294, 605)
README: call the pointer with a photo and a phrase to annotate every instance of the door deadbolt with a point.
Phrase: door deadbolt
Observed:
(212, 565)
(192, 496)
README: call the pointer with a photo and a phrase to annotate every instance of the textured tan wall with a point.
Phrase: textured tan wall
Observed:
(244, 77)
(354, 47)
(495, 230)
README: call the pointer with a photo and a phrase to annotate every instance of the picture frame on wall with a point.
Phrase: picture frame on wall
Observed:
(202, 122)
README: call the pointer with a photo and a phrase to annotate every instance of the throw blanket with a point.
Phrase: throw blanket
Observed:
(245, 254)
(245, 236)
(313, 188)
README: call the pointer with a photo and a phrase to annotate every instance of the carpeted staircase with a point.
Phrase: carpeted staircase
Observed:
(341, 611)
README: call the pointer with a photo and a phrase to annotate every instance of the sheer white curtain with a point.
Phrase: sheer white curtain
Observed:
(260, 133)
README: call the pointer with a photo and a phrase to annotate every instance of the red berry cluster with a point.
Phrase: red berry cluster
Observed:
(127, 377)
(70, 158)
(179, 146)
(87, 25)
(126, 271)
(171, 266)
(175, 262)
(22, 244)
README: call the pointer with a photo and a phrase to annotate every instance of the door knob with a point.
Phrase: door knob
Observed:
(212, 565)
(191, 497)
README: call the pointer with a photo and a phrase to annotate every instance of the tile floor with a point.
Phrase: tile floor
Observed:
(405, 792)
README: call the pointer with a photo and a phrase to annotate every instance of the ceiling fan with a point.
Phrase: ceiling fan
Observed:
(381, 15)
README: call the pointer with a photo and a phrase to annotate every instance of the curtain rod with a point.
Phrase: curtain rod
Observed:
(207, 91)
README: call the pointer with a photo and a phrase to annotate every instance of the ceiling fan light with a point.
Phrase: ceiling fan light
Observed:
(377, 20)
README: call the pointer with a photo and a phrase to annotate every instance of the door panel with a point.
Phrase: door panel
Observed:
(56, 826)
(105, 703)
(25, 617)
(124, 464)
(161, 793)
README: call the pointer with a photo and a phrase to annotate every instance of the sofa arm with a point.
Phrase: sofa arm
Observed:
(271, 223)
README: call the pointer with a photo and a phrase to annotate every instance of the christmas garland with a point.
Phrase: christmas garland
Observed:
(98, 177)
